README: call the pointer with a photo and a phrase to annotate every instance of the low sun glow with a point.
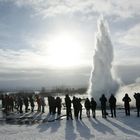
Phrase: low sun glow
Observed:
(64, 50)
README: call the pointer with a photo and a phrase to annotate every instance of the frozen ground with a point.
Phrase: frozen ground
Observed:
(120, 128)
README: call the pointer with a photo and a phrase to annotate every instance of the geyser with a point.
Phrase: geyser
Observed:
(101, 79)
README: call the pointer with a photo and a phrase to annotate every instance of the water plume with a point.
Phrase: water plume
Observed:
(101, 79)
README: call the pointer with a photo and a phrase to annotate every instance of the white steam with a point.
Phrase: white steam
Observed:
(101, 79)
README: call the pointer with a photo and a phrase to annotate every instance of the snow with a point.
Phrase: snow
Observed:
(120, 128)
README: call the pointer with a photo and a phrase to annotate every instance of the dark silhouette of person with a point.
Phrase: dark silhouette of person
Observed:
(31, 100)
(68, 107)
(93, 105)
(58, 105)
(26, 103)
(11, 103)
(137, 98)
(79, 108)
(87, 107)
(112, 104)
(126, 99)
(6, 104)
(103, 101)
(53, 105)
(43, 104)
(38, 103)
(75, 107)
(17, 102)
(49, 104)
(20, 103)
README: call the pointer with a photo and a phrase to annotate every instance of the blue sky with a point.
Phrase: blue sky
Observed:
(28, 27)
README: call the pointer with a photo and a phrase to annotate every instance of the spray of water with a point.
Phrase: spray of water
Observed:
(101, 79)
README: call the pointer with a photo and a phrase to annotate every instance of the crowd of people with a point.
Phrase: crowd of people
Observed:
(90, 106)
(10, 103)
(20, 102)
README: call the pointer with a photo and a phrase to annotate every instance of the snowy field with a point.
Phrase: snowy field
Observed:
(120, 128)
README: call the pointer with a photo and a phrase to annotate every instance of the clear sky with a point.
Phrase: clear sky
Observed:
(51, 42)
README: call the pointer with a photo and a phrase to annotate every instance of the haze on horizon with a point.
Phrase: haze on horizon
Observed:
(51, 43)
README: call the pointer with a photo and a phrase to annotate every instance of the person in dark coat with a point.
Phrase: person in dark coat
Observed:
(137, 98)
(11, 103)
(38, 100)
(112, 104)
(93, 105)
(20, 103)
(87, 107)
(68, 107)
(26, 103)
(58, 105)
(103, 101)
(31, 100)
(126, 99)
(43, 104)
(49, 104)
(53, 105)
(79, 108)
(75, 107)
(6, 103)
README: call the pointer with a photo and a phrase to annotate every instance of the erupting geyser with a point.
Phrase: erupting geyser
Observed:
(101, 79)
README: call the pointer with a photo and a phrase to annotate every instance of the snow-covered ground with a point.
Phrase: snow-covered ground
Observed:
(120, 128)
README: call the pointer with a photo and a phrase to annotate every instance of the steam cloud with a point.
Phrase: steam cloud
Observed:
(101, 79)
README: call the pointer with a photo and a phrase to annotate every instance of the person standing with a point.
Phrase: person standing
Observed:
(79, 108)
(38, 100)
(43, 104)
(75, 107)
(68, 107)
(137, 98)
(87, 107)
(112, 104)
(126, 99)
(31, 100)
(58, 105)
(26, 103)
(103, 101)
(93, 105)
(20, 104)
(11, 103)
